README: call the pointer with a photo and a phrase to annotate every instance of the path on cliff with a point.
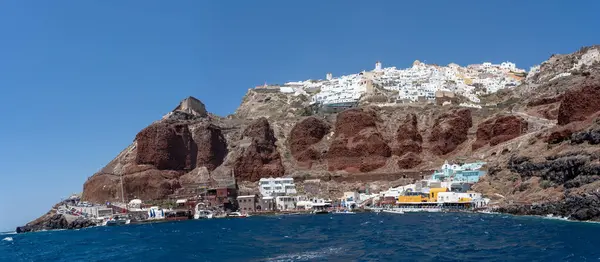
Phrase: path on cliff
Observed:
(538, 122)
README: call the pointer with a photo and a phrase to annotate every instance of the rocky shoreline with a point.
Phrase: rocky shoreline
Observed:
(54, 222)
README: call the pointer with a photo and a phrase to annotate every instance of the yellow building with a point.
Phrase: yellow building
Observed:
(433, 193)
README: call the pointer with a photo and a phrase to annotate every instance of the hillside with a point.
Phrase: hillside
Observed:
(539, 139)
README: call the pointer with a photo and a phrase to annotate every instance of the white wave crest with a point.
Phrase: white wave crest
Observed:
(8, 239)
(308, 255)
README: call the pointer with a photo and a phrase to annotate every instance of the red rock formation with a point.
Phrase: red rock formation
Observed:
(166, 146)
(450, 130)
(408, 143)
(304, 135)
(357, 144)
(261, 158)
(147, 185)
(407, 137)
(212, 146)
(165, 151)
(579, 103)
(499, 129)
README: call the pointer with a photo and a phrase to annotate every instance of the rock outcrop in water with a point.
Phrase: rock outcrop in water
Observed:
(52, 221)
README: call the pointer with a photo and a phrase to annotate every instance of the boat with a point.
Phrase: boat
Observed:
(320, 211)
(237, 214)
(117, 221)
(343, 212)
(200, 212)
(203, 214)
(391, 211)
(176, 215)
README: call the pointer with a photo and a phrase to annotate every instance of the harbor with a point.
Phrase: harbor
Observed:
(445, 190)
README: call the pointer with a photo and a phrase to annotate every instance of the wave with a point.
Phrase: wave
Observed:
(8, 233)
(308, 255)
(10, 239)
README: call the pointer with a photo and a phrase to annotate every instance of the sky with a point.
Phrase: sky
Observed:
(79, 79)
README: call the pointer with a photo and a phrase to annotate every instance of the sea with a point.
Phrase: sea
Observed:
(326, 237)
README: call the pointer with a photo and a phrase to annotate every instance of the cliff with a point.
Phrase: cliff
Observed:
(540, 140)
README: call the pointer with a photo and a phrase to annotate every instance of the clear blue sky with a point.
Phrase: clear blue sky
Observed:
(80, 78)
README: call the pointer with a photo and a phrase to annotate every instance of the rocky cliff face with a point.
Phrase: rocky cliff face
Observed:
(450, 130)
(553, 169)
(305, 136)
(357, 145)
(499, 129)
(536, 166)
(161, 158)
(260, 158)
(408, 143)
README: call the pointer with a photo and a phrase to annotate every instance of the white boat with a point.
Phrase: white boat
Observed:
(320, 211)
(117, 221)
(391, 211)
(343, 212)
(203, 214)
(237, 214)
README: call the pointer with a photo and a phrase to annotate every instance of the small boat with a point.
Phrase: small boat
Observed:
(320, 211)
(117, 221)
(203, 214)
(176, 215)
(237, 214)
(343, 212)
(393, 211)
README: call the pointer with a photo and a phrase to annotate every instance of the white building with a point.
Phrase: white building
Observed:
(280, 186)
(455, 197)
(284, 203)
(416, 83)
(378, 66)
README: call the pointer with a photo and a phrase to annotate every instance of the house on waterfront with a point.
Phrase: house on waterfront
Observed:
(266, 204)
(277, 193)
(248, 203)
(312, 203)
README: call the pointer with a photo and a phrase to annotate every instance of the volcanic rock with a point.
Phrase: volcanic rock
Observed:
(259, 159)
(499, 129)
(409, 160)
(167, 145)
(450, 130)
(407, 137)
(212, 146)
(304, 135)
(580, 103)
(52, 221)
(357, 144)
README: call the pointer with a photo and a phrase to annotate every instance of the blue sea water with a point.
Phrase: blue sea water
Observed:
(334, 237)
